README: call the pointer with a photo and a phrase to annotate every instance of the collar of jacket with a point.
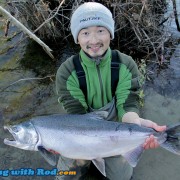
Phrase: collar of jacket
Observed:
(89, 62)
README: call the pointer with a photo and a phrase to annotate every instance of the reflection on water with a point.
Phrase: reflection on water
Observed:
(167, 81)
(162, 102)
(171, 22)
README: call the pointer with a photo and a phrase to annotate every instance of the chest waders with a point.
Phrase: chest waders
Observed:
(115, 64)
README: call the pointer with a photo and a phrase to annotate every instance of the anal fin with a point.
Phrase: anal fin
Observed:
(100, 164)
(134, 155)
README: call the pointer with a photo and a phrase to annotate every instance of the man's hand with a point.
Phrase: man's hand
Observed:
(151, 142)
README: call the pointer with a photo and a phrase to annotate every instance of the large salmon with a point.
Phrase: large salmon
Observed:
(88, 137)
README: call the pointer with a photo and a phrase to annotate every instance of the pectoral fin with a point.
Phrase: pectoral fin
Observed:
(134, 155)
(48, 156)
(99, 115)
(100, 164)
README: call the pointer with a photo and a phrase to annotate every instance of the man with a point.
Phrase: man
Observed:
(92, 27)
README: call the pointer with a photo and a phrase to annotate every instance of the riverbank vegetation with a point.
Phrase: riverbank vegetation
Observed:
(139, 31)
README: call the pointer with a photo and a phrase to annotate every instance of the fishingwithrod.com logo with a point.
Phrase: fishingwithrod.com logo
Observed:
(37, 172)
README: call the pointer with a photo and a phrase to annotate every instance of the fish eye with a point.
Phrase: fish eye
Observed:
(15, 129)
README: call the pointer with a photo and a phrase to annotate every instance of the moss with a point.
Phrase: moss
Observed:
(7, 67)
(3, 39)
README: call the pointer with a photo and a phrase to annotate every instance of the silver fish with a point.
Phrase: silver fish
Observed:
(88, 137)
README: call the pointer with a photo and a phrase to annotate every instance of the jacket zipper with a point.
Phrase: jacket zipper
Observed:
(101, 84)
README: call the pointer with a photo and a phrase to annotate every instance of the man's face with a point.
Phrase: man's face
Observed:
(94, 40)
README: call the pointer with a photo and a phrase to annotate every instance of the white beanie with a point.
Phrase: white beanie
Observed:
(91, 14)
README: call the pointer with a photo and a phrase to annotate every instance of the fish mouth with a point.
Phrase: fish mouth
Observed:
(22, 137)
(10, 140)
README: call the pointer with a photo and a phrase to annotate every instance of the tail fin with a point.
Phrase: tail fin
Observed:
(172, 142)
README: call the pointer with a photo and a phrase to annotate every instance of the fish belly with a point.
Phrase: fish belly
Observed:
(83, 146)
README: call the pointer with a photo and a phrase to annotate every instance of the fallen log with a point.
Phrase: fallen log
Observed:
(26, 31)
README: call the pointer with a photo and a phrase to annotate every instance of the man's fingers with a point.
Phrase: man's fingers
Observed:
(148, 123)
(151, 124)
(150, 143)
(159, 128)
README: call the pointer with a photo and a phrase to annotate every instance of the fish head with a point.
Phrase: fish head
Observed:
(24, 134)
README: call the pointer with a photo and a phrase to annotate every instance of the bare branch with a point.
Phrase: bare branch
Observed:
(26, 31)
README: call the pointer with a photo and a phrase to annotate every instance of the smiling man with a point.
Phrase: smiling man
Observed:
(99, 78)
(94, 41)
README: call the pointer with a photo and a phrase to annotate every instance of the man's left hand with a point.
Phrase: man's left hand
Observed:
(151, 142)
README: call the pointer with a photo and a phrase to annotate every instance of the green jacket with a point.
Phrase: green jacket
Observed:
(98, 79)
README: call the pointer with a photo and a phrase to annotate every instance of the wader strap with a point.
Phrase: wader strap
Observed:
(115, 63)
(80, 74)
(115, 66)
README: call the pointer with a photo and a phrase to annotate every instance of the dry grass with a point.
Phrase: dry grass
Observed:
(138, 22)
